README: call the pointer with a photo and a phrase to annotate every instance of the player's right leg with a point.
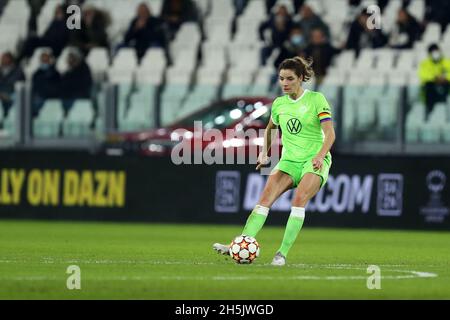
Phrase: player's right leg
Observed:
(276, 185)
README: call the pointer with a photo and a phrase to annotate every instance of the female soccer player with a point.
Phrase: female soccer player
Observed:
(304, 118)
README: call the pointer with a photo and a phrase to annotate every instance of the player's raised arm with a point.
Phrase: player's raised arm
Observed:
(263, 157)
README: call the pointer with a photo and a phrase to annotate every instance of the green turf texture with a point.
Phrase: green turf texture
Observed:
(153, 261)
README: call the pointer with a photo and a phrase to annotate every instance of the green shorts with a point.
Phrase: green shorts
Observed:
(298, 169)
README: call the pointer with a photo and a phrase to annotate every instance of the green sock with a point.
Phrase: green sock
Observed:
(293, 226)
(255, 221)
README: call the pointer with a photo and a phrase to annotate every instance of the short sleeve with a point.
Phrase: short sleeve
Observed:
(274, 113)
(323, 109)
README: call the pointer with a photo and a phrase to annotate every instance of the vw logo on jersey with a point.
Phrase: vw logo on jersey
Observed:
(294, 126)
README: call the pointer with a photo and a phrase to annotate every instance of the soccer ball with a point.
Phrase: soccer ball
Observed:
(244, 249)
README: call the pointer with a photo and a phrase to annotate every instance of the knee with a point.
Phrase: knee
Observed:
(300, 199)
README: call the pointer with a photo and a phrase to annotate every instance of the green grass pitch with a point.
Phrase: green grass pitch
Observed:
(156, 261)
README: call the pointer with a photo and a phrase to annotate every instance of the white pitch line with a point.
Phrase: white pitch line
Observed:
(47, 260)
(414, 274)
(160, 262)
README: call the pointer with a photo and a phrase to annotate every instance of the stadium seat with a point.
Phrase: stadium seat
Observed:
(48, 123)
(194, 103)
(79, 119)
(432, 129)
(417, 9)
(385, 59)
(345, 60)
(117, 76)
(432, 33)
(2, 116)
(98, 61)
(171, 101)
(331, 93)
(100, 124)
(154, 59)
(10, 121)
(141, 113)
(405, 61)
(414, 121)
(153, 66)
(123, 97)
(430, 133)
(387, 112)
(150, 76)
(366, 59)
(179, 75)
(125, 59)
(446, 133)
(207, 76)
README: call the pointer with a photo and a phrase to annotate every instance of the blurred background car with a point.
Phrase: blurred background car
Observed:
(236, 114)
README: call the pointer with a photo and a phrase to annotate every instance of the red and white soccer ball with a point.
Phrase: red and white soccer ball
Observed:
(244, 249)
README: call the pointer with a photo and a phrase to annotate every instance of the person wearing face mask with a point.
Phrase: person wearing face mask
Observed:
(434, 74)
(294, 46)
(10, 74)
(44, 82)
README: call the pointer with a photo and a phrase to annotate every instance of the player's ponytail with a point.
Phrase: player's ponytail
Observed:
(301, 66)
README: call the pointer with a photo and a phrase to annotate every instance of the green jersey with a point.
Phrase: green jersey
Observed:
(300, 122)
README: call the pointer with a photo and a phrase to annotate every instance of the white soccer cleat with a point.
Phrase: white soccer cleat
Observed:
(279, 260)
(221, 248)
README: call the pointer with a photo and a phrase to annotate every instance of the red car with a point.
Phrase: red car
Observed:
(233, 116)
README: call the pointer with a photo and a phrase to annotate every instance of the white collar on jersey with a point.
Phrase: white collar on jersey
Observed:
(298, 99)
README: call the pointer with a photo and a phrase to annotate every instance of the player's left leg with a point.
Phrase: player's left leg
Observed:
(277, 183)
(308, 187)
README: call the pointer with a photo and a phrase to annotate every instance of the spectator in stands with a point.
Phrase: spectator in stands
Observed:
(354, 9)
(10, 74)
(322, 53)
(308, 20)
(176, 12)
(146, 30)
(434, 73)
(45, 82)
(361, 35)
(406, 31)
(280, 25)
(239, 6)
(297, 4)
(437, 11)
(56, 36)
(294, 46)
(269, 5)
(2, 5)
(93, 30)
(35, 10)
(77, 82)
